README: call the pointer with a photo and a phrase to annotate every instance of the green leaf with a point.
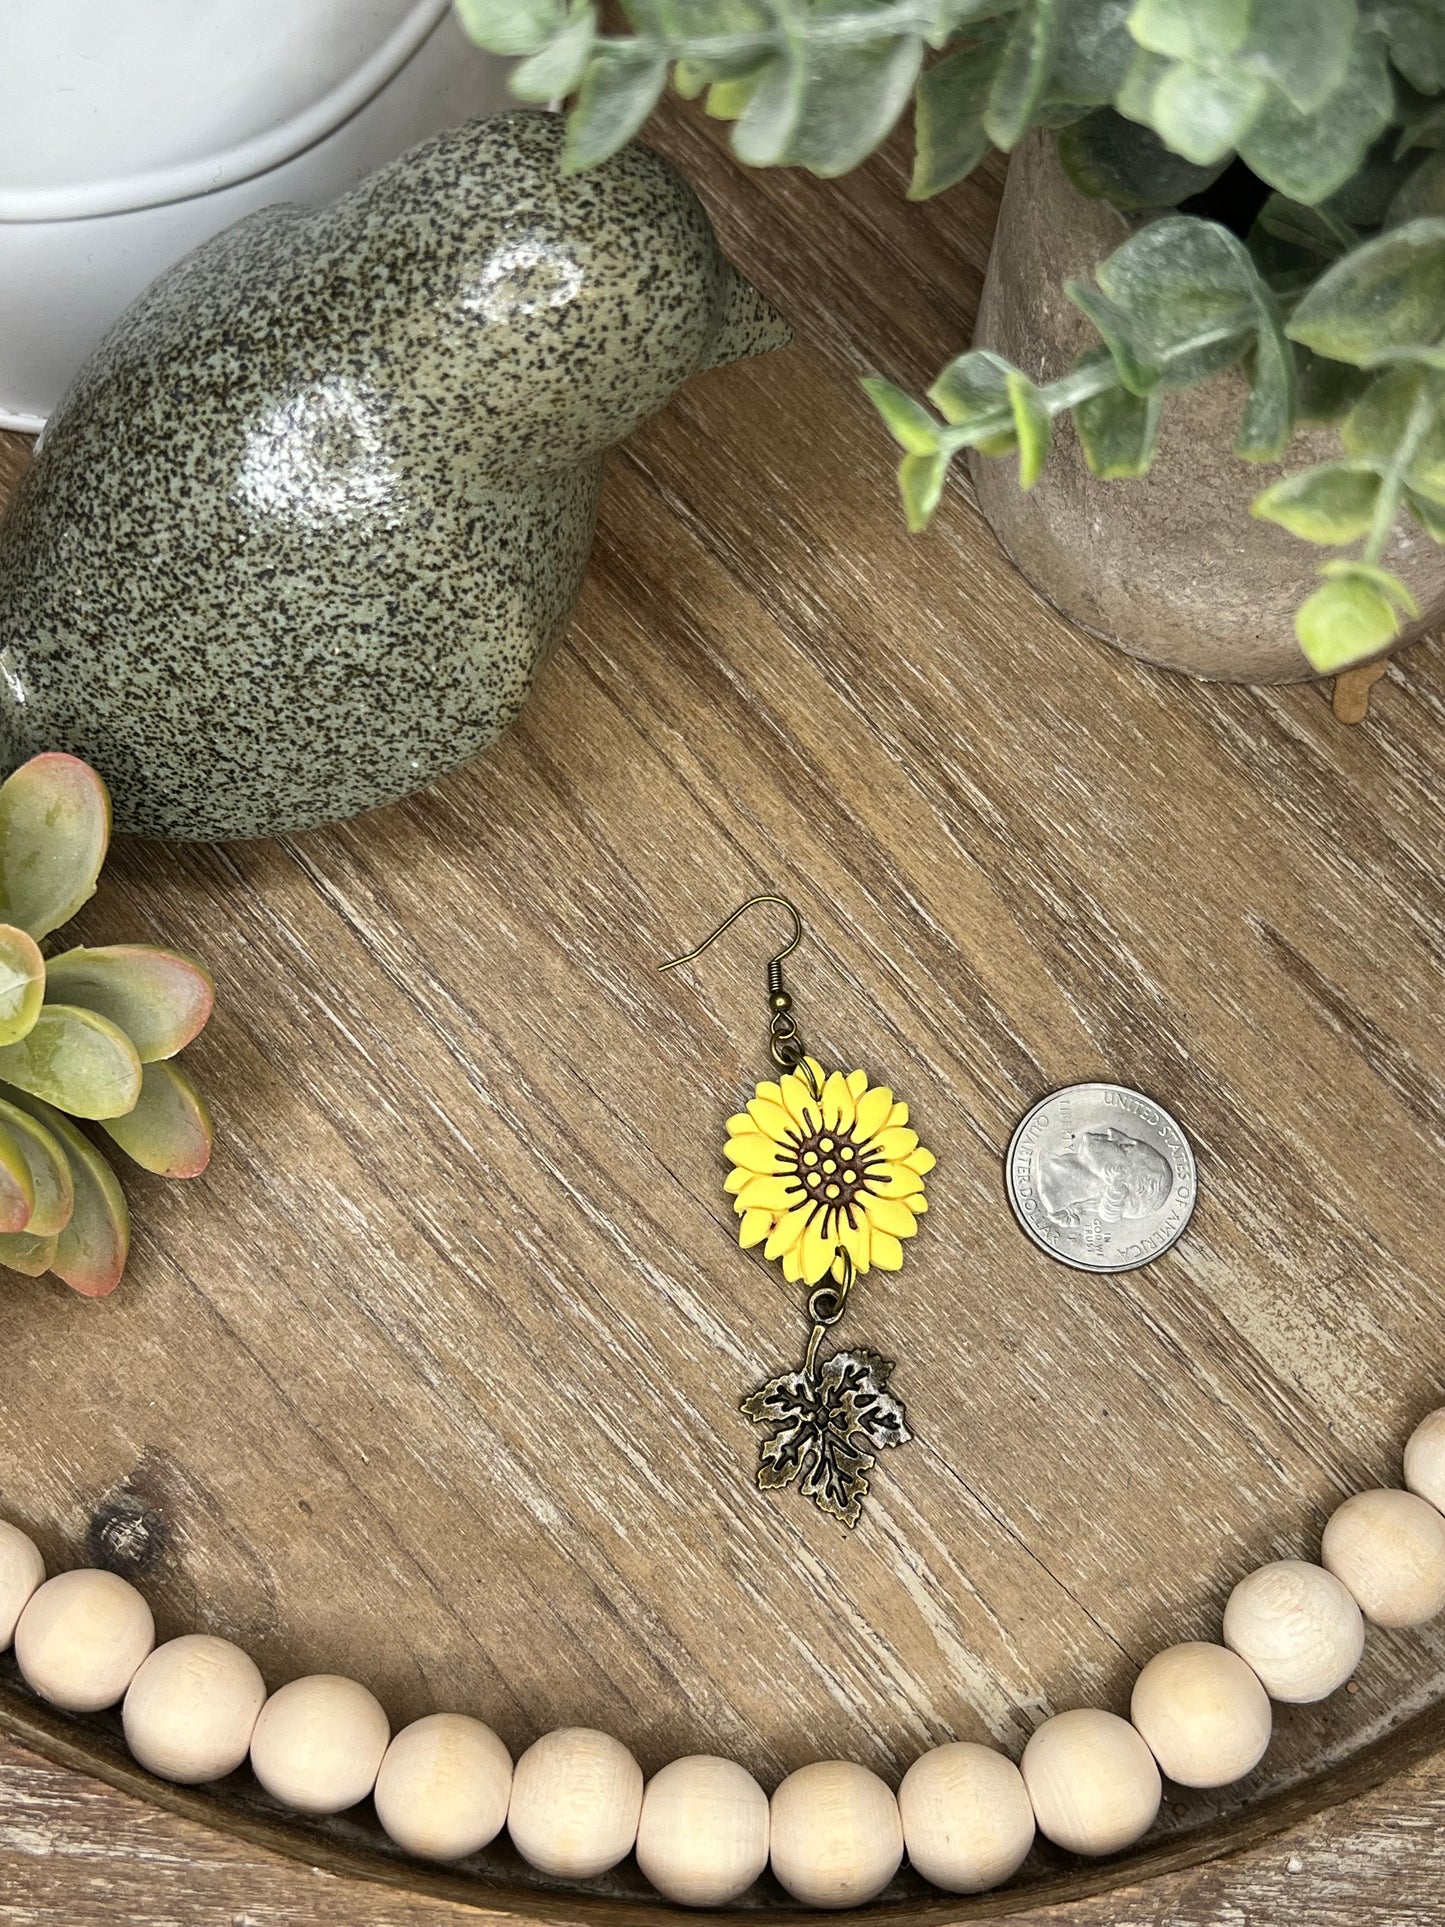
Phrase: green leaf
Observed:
(1033, 426)
(1415, 30)
(1302, 47)
(1190, 293)
(1386, 295)
(826, 106)
(1310, 155)
(169, 1131)
(1118, 431)
(728, 99)
(1093, 50)
(1023, 72)
(1134, 354)
(920, 483)
(511, 27)
(1332, 502)
(1195, 30)
(623, 83)
(1429, 514)
(907, 421)
(1344, 622)
(160, 999)
(54, 832)
(1269, 410)
(49, 1169)
(83, 1063)
(948, 116)
(26, 1252)
(973, 393)
(1204, 114)
(1384, 424)
(91, 1251)
(22, 982)
(1422, 192)
(1325, 390)
(557, 68)
(17, 1187)
(1120, 161)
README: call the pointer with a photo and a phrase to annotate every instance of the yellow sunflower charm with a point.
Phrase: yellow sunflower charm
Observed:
(828, 1178)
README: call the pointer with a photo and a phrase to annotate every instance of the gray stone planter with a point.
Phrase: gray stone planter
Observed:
(1171, 567)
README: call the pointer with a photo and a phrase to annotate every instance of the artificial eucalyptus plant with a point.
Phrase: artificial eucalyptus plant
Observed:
(1327, 287)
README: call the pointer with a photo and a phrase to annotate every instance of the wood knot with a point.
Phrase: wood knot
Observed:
(125, 1535)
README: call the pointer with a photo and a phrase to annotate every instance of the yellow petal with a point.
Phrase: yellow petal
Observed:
(817, 1248)
(837, 1103)
(772, 1120)
(893, 1181)
(922, 1161)
(754, 1228)
(770, 1194)
(770, 1091)
(853, 1237)
(887, 1252)
(917, 1204)
(873, 1109)
(798, 1100)
(755, 1153)
(897, 1117)
(895, 1145)
(786, 1232)
(741, 1125)
(792, 1263)
(737, 1178)
(891, 1216)
(857, 1083)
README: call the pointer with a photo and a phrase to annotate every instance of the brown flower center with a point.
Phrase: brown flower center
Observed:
(831, 1168)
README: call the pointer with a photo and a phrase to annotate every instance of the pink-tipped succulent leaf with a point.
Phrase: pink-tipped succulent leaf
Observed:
(22, 982)
(50, 1178)
(160, 999)
(54, 832)
(83, 1064)
(90, 1253)
(169, 1131)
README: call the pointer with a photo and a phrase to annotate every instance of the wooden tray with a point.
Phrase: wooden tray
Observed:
(433, 1378)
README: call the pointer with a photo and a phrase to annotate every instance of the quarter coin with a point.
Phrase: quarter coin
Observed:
(1101, 1177)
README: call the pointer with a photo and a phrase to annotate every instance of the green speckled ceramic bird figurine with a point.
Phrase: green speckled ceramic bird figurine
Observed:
(299, 537)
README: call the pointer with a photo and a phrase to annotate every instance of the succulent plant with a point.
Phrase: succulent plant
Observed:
(1316, 127)
(85, 1033)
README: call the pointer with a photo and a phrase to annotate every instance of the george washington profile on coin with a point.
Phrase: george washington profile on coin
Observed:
(1102, 1174)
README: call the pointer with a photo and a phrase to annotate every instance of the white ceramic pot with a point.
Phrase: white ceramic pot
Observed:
(133, 131)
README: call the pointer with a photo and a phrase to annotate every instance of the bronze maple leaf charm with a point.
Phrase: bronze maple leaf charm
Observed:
(829, 1424)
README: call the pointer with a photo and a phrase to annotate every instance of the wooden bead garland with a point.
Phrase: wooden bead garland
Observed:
(1389, 1549)
(81, 1639)
(443, 1787)
(1203, 1712)
(1093, 1781)
(576, 1802)
(968, 1822)
(191, 1709)
(704, 1833)
(1425, 1459)
(837, 1835)
(319, 1743)
(22, 1570)
(1298, 1627)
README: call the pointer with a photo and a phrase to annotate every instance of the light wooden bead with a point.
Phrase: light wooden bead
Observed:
(1425, 1459)
(319, 1742)
(82, 1637)
(1298, 1627)
(837, 1839)
(1093, 1781)
(576, 1801)
(1203, 1712)
(191, 1709)
(443, 1787)
(968, 1822)
(1389, 1549)
(21, 1570)
(703, 1836)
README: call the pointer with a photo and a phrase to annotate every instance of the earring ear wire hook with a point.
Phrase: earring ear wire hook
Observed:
(785, 1047)
(727, 923)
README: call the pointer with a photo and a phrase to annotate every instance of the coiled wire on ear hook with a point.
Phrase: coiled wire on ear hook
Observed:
(785, 1047)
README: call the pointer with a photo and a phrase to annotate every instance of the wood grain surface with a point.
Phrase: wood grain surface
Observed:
(433, 1377)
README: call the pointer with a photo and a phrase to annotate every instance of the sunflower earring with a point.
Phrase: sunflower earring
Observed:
(828, 1178)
